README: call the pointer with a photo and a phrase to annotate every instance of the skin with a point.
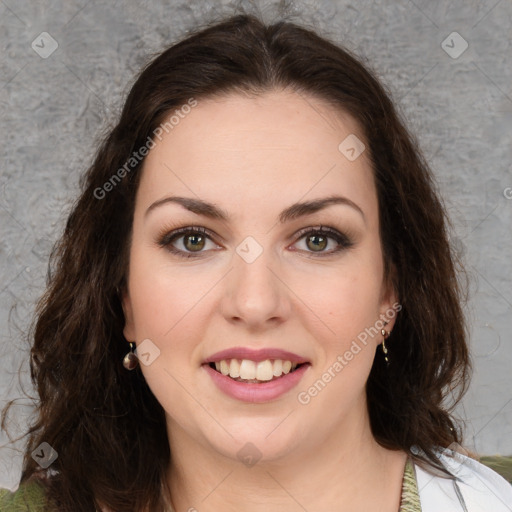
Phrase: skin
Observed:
(254, 157)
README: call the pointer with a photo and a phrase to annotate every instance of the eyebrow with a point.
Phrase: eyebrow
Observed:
(293, 212)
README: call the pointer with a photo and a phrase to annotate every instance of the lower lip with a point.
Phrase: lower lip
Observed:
(253, 392)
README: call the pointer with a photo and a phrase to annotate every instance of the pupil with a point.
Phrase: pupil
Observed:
(197, 244)
(322, 244)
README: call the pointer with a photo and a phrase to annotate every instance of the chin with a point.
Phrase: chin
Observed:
(268, 440)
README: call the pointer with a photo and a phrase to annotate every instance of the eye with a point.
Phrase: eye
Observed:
(185, 242)
(317, 239)
(192, 241)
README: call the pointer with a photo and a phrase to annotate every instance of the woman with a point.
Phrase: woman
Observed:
(254, 304)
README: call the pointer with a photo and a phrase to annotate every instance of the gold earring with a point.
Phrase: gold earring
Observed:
(385, 335)
(130, 360)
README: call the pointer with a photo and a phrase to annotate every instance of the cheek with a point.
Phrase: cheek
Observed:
(351, 303)
(347, 349)
(163, 297)
(168, 311)
(352, 298)
(170, 307)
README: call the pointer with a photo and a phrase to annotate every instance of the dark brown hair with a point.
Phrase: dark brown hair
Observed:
(106, 425)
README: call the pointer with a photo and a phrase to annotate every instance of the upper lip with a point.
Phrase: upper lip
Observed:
(255, 355)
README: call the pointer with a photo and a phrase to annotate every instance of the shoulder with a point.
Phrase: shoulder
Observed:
(29, 496)
(474, 488)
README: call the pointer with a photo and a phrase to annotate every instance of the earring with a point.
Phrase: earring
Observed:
(385, 335)
(130, 360)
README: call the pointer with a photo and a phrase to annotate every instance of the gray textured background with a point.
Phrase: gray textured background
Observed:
(54, 110)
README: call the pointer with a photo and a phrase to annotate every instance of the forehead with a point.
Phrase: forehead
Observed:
(278, 145)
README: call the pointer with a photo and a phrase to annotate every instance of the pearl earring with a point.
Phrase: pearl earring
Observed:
(130, 360)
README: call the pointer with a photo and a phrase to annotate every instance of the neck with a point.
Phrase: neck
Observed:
(346, 471)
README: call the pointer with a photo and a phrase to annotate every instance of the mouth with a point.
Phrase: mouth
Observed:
(255, 372)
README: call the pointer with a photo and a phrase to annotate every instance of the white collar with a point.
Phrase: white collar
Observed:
(477, 487)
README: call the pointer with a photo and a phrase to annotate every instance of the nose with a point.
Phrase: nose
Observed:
(256, 294)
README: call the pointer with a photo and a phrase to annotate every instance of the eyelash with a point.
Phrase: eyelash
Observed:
(165, 239)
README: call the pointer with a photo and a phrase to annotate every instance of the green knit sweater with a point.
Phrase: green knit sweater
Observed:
(30, 497)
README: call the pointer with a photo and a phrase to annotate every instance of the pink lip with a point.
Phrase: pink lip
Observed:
(255, 355)
(254, 392)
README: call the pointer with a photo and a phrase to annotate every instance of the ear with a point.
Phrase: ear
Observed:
(129, 324)
(389, 300)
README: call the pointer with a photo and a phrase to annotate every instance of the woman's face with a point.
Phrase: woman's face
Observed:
(258, 286)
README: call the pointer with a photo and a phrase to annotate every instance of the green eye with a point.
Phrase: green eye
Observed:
(317, 239)
(194, 241)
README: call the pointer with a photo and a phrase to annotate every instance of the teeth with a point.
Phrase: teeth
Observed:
(247, 369)
(234, 368)
(278, 367)
(264, 370)
(254, 371)
(224, 367)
